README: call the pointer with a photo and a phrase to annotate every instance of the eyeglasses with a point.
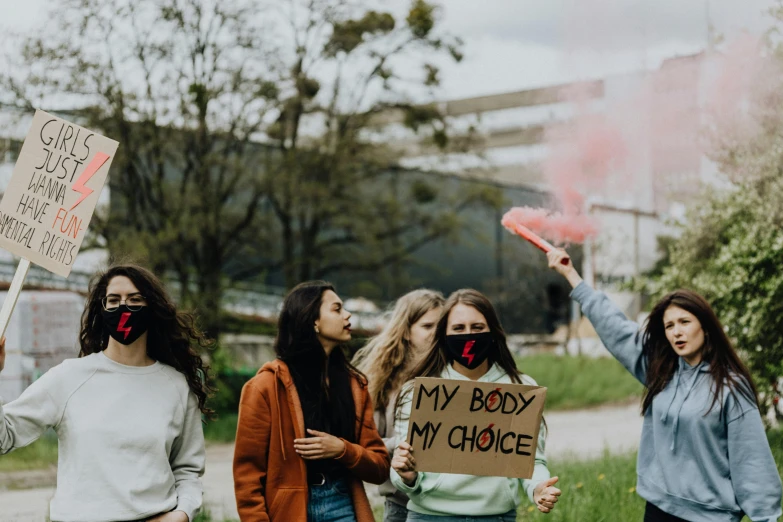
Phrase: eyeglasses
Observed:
(133, 302)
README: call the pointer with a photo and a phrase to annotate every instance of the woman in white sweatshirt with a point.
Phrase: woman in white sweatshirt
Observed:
(127, 412)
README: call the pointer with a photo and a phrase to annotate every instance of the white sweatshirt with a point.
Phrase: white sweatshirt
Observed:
(131, 443)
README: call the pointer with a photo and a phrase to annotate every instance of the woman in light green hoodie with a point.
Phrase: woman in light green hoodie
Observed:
(469, 344)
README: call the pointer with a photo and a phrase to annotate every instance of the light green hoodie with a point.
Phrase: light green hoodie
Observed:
(468, 495)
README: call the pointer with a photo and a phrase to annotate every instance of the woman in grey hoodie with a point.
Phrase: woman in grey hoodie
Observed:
(704, 456)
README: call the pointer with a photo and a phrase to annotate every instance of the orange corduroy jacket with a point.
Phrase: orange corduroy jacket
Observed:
(270, 478)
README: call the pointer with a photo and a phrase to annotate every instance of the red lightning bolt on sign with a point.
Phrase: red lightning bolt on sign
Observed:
(493, 398)
(485, 436)
(121, 327)
(466, 351)
(92, 167)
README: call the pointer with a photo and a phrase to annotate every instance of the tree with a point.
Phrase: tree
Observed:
(183, 86)
(339, 200)
(731, 243)
(233, 160)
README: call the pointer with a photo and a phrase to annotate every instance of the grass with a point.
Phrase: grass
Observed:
(205, 516)
(601, 490)
(40, 454)
(580, 382)
(223, 429)
(604, 490)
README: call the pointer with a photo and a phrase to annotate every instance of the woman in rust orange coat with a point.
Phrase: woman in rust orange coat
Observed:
(306, 439)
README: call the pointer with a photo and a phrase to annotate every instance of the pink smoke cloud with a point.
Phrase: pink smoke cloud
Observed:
(644, 147)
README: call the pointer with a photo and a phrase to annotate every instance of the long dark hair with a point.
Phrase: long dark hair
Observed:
(297, 345)
(171, 337)
(438, 357)
(725, 365)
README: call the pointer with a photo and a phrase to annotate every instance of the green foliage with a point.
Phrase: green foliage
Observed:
(40, 454)
(604, 489)
(222, 429)
(189, 91)
(350, 34)
(731, 249)
(431, 78)
(227, 381)
(421, 18)
(205, 515)
(418, 115)
(730, 245)
(600, 490)
(423, 192)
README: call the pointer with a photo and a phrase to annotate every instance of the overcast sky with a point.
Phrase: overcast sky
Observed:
(517, 44)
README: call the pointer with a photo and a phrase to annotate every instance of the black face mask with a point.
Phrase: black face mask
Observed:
(125, 325)
(470, 350)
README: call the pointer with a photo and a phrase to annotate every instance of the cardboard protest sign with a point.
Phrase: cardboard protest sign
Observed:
(475, 428)
(50, 200)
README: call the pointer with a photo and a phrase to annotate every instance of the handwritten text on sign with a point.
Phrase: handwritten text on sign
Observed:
(475, 428)
(54, 188)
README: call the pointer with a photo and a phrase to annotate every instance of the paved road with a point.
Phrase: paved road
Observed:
(575, 434)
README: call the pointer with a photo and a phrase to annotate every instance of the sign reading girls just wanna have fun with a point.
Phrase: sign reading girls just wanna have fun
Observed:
(49, 202)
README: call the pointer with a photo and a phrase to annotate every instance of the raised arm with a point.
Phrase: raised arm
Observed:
(620, 335)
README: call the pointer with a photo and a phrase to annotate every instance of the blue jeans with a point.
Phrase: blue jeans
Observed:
(394, 512)
(331, 502)
(511, 516)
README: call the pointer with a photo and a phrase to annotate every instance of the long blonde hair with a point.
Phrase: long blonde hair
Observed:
(386, 358)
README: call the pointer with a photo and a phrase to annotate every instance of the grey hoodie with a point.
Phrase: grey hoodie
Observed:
(703, 468)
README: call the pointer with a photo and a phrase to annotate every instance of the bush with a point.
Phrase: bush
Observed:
(228, 384)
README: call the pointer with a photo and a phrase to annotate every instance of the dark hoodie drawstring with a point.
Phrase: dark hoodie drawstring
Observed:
(279, 416)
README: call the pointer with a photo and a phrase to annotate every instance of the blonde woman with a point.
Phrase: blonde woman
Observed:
(385, 360)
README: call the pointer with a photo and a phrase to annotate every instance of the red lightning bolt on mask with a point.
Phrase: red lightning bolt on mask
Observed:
(466, 351)
(485, 436)
(121, 327)
(96, 163)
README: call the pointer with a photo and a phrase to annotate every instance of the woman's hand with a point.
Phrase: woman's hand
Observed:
(320, 446)
(546, 495)
(404, 463)
(171, 516)
(2, 354)
(567, 270)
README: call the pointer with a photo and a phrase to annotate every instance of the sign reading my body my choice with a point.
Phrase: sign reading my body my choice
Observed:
(54, 188)
(475, 428)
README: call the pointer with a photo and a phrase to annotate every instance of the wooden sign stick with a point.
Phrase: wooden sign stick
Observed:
(13, 294)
